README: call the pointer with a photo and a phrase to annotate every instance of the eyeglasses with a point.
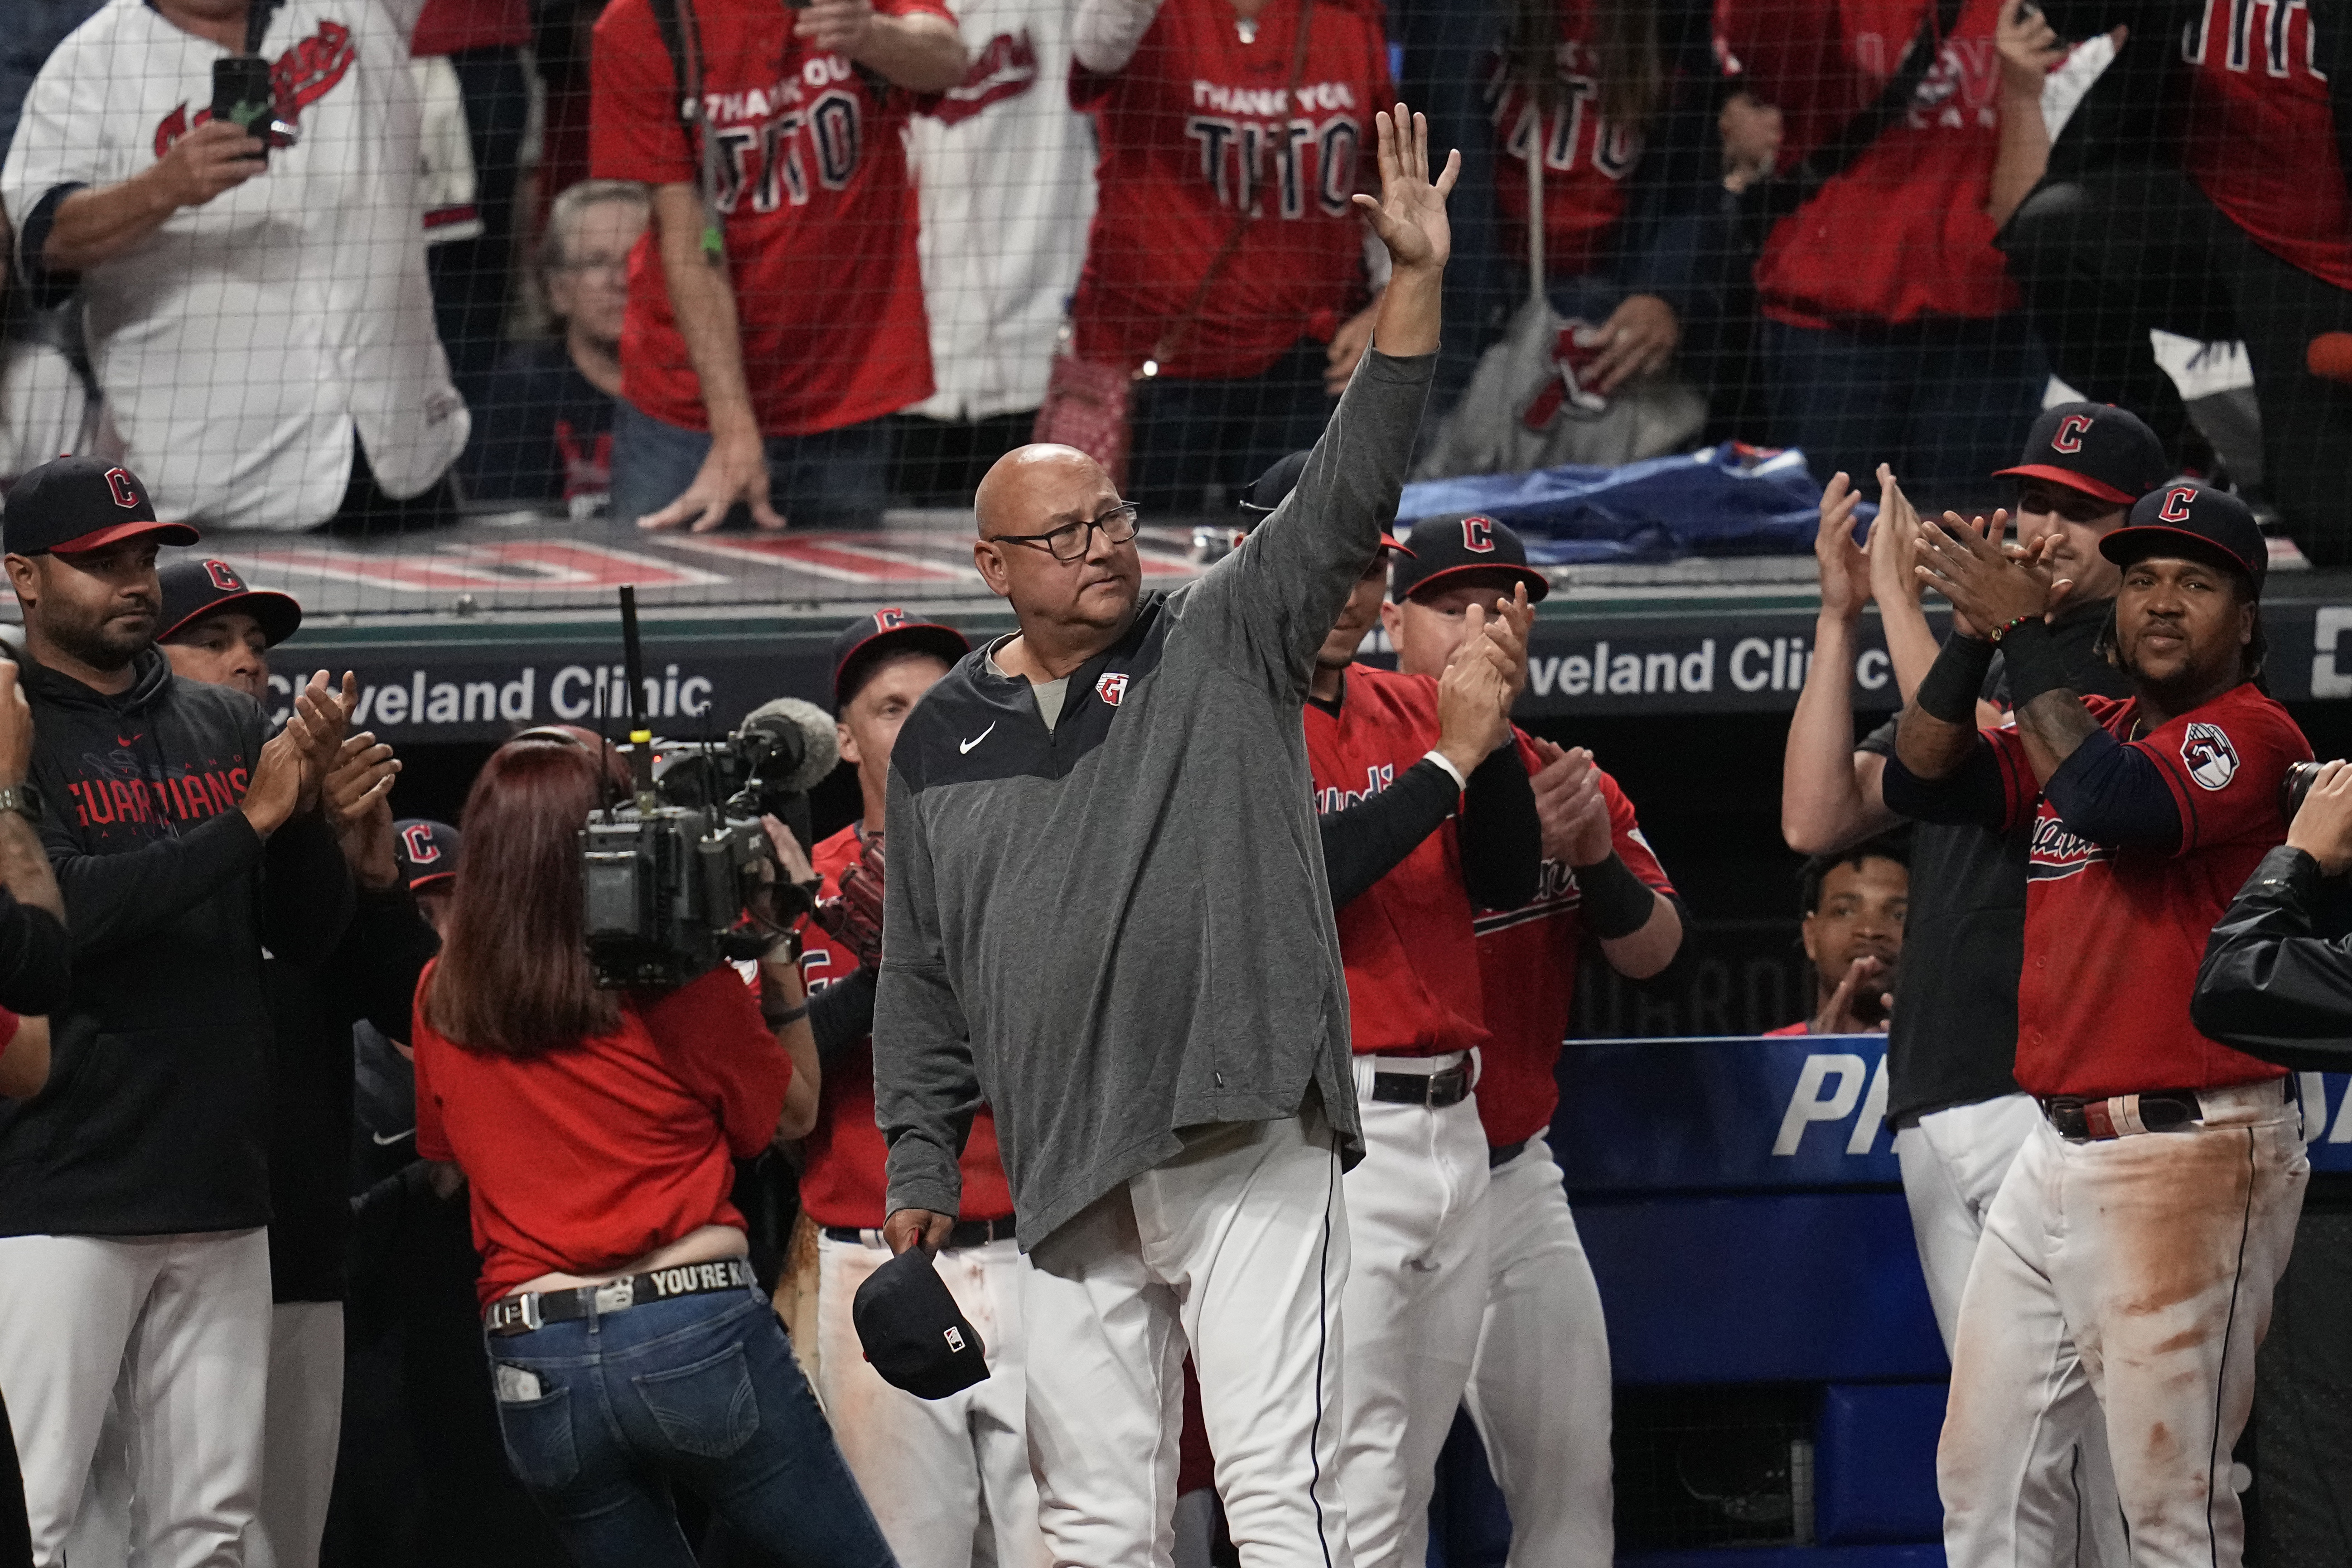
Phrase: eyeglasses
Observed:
(1073, 539)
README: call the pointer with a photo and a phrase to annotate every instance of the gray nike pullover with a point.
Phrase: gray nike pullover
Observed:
(1119, 929)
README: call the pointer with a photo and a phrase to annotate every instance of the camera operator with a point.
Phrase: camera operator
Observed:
(628, 1340)
(131, 1247)
(2277, 976)
(218, 631)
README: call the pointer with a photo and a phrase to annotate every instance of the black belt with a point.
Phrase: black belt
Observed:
(2097, 1120)
(521, 1313)
(966, 1233)
(1499, 1158)
(1434, 1090)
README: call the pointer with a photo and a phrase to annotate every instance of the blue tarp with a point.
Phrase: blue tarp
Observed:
(1727, 500)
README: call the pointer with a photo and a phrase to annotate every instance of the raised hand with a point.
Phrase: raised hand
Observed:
(1963, 561)
(357, 799)
(1570, 807)
(1846, 569)
(1508, 629)
(1894, 543)
(1410, 216)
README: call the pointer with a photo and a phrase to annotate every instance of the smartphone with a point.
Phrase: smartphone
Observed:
(243, 96)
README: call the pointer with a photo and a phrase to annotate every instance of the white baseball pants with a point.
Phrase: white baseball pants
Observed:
(948, 1479)
(300, 1433)
(1953, 1162)
(179, 1325)
(1539, 1385)
(1416, 1294)
(2127, 1280)
(1237, 1247)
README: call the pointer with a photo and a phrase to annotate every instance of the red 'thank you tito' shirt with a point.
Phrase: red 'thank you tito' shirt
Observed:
(2113, 937)
(818, 212)
(581, 1159)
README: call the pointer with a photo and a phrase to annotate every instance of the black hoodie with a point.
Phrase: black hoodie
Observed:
(156, 1115)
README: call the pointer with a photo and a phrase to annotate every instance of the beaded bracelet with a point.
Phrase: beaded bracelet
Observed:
(2005, 629)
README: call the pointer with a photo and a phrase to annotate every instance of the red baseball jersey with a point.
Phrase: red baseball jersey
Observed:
(844, 1183)
(2113, 937)
(1585, 157)
(1411, 954)
(1195, 130)
(2261, 139)
(1526, 970)
(1900, 233)
(816, 207)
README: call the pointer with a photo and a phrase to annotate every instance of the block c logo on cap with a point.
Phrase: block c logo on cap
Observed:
(889, 620)
(122, 487)
(2069, 433)
(2175, 504)
(1479, 534)
(418, 839)
(223, 576)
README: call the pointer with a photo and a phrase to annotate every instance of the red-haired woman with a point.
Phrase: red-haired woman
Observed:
(598, 1132)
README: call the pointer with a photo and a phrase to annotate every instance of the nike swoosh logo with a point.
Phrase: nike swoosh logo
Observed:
(965, 746)
(383, 1142)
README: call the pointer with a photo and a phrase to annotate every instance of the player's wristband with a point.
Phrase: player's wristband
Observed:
(777, 1018)
(1613, 902)
(1949, 691)
(2036, 665)
(1442, 761)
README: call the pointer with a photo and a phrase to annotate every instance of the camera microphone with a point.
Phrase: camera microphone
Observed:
(803, 745)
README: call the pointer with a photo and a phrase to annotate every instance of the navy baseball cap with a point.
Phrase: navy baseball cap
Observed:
(195, 589)
(2191, 519)
(1272, 488)
(1458, 545)
(2094, 448)
(426, 850)
(863, 642)
(913, 1333)
(74, 505)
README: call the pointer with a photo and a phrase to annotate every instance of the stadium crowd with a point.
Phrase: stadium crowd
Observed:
(1200, 1028)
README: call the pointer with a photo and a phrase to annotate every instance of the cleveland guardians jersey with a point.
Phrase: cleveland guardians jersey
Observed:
(242, 342)
(1411, 955)
(1586, 158)
(1195, 130)
(1527, 965)
(817, 211)
(2262, 133)
(843, 1183)
(2113, 937)
(1900, 233)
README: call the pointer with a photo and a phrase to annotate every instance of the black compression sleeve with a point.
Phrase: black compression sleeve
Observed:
(36, 967)
(1949, 691)
(1613, 900)
(1971, 795)
(2114, 793)
(2037, 663)
(1502, 837)
(1364, 843)
(841, 1015)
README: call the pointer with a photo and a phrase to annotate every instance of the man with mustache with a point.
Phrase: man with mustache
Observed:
(1854, 908)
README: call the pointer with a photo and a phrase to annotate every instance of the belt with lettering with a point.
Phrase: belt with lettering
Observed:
(521, 1313)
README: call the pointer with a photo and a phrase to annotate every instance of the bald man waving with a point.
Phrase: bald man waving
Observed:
(1108, 917)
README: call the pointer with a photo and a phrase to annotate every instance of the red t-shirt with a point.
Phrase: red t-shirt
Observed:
(2113, 937)
(445, 27)
(817, 207)
(1586, 158)
(2261, 134)
(581, 1159)
(1527, 967)
(1410, 956)
(1800, 1028)
(844, 1183)
(1900, 233)
(1192, 131)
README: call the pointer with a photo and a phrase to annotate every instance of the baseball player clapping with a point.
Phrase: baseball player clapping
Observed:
(2127, 1264)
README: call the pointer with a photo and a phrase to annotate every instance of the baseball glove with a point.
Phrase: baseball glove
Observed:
(854, 916)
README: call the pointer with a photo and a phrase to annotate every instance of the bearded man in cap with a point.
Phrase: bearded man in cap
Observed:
(131, 1245)
(2124, 1274)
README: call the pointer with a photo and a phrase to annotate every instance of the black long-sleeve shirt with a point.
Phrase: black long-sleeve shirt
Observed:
(2270, 984)
(1501, 836)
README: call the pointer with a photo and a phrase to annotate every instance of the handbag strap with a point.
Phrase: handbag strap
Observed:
(1174, 336)
(1836, 154)
(1536, 209)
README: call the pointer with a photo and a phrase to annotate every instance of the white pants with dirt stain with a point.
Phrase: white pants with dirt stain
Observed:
(2127, 1281)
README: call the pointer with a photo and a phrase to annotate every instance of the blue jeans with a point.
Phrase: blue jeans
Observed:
(835, 479)
(699, 1389)
(1192, 434)
(1945, 400)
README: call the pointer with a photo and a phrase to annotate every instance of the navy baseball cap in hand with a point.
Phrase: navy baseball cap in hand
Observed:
(1457, 546)
(2191, 520)
(426, 851)
(864, 641)
(195, 589)
(2094, 448)
(74, 505)
(914, 1333)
